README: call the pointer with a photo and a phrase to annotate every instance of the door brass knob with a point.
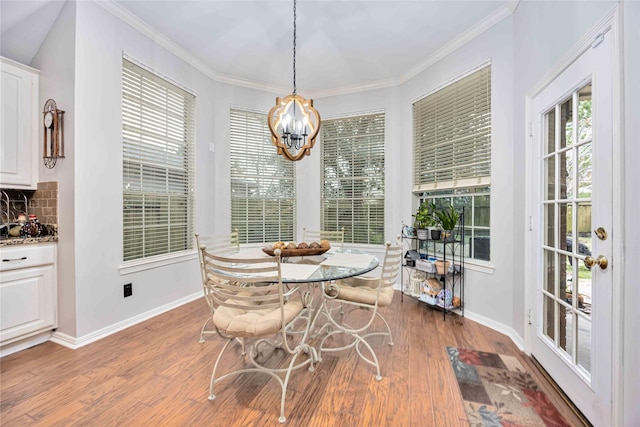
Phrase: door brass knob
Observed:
(602, 261)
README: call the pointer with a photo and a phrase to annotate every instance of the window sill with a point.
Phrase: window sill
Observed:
(480, 266)
(155, 262)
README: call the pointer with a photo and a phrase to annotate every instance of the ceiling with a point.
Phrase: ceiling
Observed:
(342, 45)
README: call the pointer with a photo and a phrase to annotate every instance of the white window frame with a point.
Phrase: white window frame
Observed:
(263, 183)
(362, 212)
(158, 135)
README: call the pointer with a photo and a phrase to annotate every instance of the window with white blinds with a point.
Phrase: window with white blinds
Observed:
(352, 179)
(452, 135)
(263, 183)
(452, 154)
(158, 165)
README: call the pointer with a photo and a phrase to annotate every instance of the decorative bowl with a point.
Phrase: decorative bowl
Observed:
(296, 252)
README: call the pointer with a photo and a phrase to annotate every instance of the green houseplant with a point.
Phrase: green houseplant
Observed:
(425, 218)
(448, 218)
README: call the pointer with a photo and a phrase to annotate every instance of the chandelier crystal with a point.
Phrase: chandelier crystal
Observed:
(293, 122)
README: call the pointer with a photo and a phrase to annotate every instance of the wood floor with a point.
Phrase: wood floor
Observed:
(157, 374)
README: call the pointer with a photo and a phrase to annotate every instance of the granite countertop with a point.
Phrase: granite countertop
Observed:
(12, 241)
(50, 234)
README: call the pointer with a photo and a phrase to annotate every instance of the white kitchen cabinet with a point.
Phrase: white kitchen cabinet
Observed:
(19, 121)
(28, 292)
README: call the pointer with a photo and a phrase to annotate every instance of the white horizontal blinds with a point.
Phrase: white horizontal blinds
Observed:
(158, 164)
(352, 182)
(452, 135)
(262, 182)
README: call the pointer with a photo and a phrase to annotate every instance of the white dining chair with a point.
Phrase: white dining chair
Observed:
(367, 293)
(253, 305)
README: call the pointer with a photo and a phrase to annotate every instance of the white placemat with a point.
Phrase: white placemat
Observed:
(297, 271)
(349, 260)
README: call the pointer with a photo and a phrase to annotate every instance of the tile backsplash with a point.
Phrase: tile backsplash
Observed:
(43, 202)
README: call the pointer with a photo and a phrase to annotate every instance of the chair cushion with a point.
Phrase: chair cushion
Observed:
(254, 323)
(362, 289)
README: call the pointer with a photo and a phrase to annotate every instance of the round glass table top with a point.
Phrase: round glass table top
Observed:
(334, 265)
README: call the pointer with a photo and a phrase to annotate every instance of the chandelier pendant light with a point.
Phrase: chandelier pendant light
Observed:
(293, 122)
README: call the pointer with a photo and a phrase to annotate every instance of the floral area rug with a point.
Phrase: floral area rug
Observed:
(497, 391)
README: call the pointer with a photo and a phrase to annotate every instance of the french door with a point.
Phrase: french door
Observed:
(572, 244)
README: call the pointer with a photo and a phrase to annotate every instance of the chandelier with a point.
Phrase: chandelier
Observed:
(293, 122)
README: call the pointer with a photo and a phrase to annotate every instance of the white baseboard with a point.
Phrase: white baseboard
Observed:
(74, 343)
(496, 326)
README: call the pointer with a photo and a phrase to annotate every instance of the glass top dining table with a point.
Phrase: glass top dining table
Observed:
(333, 265)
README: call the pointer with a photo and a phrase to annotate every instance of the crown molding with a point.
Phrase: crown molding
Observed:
(127, 17)
(464, 38)
(512, 4)
(356, 88)
(482, 26)
(138, 24)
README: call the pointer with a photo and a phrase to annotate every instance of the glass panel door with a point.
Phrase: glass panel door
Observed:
(572, 195)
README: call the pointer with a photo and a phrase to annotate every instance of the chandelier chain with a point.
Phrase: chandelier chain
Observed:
(294, 47)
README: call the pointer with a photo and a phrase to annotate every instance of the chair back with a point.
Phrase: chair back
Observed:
(391, 265)
(337, 237)
(221, 244)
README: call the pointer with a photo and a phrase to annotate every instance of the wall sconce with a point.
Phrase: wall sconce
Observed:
(53, 121)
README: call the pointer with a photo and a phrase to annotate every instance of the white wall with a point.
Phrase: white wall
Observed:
(101, 39)
(56, 61)
(543, 33)
(488, 296)
(82, 71)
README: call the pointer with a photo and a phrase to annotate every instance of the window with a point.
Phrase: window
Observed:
(352, 180)
(263, 189)
(452, 153)
(475, 202)
(158, 165)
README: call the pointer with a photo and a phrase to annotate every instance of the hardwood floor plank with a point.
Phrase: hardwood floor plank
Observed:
(375, 408)
(157, 373)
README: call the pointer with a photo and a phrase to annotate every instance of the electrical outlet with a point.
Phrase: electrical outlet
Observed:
(128, 290)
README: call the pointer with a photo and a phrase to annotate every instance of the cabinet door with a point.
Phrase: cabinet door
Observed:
(18, 126)
(27, 302)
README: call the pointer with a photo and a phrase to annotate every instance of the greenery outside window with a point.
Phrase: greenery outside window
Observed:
(263, 189)
(452, 152)
(352, 177)
(158, 164)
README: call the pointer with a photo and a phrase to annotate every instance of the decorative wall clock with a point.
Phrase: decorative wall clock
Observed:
(53, 121)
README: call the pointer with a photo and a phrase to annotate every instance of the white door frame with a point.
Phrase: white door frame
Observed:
(613, 21)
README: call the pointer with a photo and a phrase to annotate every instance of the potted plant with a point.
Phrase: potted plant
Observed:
(448, 218)
(425, 218)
